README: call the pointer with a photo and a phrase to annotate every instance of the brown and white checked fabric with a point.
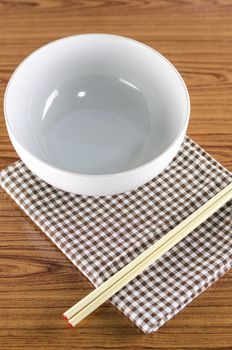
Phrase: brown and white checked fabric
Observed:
(101, 235)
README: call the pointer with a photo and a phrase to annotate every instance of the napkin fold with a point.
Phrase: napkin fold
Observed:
(101, 235)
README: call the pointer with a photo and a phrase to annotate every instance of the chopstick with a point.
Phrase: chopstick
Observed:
(97, 297)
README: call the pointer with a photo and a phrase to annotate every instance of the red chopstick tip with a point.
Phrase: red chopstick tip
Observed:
(65, 317)
(70, 325)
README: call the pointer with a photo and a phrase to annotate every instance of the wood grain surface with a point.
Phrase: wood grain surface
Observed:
(37, 283)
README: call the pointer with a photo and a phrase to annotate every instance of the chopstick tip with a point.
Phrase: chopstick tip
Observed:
(70, 325)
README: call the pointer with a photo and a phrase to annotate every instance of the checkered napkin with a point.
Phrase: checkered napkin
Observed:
(101, 235)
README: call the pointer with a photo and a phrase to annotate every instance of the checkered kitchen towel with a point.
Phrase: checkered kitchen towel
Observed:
(101, 235)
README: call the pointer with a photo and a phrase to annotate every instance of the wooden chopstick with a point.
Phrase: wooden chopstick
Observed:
(88, 304)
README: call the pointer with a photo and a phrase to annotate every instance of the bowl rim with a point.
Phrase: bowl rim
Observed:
(129, 171)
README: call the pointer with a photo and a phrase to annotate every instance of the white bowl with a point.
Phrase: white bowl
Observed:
(96, 114)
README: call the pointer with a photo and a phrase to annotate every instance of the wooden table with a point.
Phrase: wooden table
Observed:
(37, 283)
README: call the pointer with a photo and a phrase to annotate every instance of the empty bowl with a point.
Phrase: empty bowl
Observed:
(96, 114)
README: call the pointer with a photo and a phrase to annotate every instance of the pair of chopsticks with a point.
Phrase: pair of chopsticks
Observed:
(93, 300)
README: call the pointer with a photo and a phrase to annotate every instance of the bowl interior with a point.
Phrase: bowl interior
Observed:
(96, 104)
